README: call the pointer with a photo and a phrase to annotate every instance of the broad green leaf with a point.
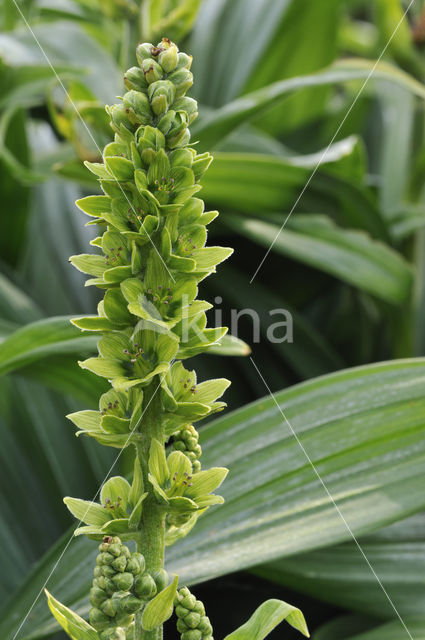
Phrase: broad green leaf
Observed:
(41, 339)
(282, 509)
(349, 255)
(340, 575)
(266, 618)
(215, 126)
(160, 608)
(65, 43)
(259, 184)
(395, 630)
(73, 624)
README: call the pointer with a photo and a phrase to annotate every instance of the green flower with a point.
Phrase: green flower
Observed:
(117, 513)
(185, 401)
(132, 359)
(181, 491)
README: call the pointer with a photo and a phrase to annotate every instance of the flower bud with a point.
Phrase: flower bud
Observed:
(98, 619)
(179, 133)
(205, 625)
(161, 95)
(123, 619)
(144, 51)
(192, 620)
(199, 608)
(135, 79)
(181, 625)
(110, 607)
(136, 105)
(188, 602)
(182, 80)
(108, 570)
(123, 581)
(184, 61)
(189, 105)
(168, 58)
(119, 117)
(192, 634)
(166, 121)
(115, 549)
(161, 579)
(106, 584)
(120, 564)
(130, 604)
(105, 558)
(152, 70)
(144, 586)
(97, 596)
(136, 564)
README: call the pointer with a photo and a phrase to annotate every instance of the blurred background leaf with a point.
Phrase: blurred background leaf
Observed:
(275, 80)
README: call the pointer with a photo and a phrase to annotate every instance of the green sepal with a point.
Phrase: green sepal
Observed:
(114, 424)
(115, 493)
(98, 168)
(119, 168)
(116, 527)
(160, 608)
(94, 206)
(89, 263)
(137, 486)
(208, 257)
(158, 463)
(115, 308)
(72, 623)
(205, 482)
(136, 514)
(88, 512)
(181, 505)
(93, 323)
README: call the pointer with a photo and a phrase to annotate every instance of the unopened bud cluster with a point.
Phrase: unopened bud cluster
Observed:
(121, 586)
(192, 622)
(186, 441)
(156, 94)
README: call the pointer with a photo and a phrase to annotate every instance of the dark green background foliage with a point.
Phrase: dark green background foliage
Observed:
(275, 80)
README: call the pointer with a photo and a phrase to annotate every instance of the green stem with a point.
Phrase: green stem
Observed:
(152, 524)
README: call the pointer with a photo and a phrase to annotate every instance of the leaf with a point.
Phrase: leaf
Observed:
(349, 255)
(395, 630)
(215, 126)
(266, 618)
(282, 509)
(160, 608)
(259, 184)
(41, 339)
(75, 627)
(341, 576)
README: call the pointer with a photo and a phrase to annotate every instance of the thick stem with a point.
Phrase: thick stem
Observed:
(152, 524)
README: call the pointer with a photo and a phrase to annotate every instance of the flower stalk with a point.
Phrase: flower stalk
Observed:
(148, 260)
